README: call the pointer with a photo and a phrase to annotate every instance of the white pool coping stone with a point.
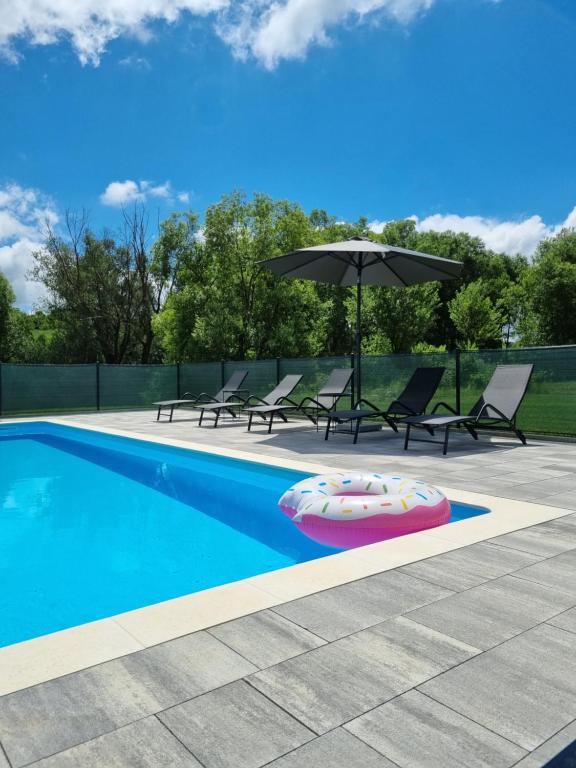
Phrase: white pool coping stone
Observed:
(71, 650)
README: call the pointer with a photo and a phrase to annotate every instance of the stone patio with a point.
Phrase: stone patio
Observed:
(463, 659)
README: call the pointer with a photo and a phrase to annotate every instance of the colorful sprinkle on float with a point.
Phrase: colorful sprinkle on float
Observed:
(347, 510)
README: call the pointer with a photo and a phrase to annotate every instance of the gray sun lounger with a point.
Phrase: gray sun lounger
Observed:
(275, 403)
(496, 409)
(327, 398)
(271, 402)
(189, 400)
(414, 400)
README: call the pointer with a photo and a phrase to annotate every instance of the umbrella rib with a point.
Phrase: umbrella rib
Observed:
(443, 271)
(386, 263)
(299, 266)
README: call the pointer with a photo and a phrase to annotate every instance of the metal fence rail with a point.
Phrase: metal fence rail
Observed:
(549, 407)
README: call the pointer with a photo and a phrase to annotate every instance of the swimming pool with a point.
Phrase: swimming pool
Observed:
(92, 525)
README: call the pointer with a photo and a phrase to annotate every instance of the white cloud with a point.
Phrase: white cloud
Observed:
(89, 24)
(119, 193)
(505, 236)
(272, 31)
(266, 30)
(24, 214)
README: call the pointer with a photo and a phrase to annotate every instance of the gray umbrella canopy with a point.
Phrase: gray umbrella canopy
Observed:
(360, 261)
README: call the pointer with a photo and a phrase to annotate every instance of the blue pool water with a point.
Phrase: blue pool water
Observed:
(92, 525)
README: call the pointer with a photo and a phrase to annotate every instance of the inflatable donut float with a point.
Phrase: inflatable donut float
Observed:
(351, 509)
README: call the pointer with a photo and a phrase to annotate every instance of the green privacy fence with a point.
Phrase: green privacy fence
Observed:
(549, 407)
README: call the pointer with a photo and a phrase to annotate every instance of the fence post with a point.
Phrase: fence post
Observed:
(178, 381)
(277, 370)
(458, 381)
(353, 386)
(97, 386)
(222, 363)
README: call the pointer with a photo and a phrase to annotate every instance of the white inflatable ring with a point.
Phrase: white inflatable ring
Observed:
(347, 509)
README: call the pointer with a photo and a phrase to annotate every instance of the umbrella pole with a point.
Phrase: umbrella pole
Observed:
(358, 360)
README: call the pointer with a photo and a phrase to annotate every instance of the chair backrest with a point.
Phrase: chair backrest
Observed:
(234, 382)
(284, 388)
(335, 387)
(420, 389)
(505, 391)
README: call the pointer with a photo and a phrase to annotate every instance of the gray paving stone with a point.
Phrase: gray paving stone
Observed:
(343, 610)
(524, 689)
(470, 566)
(493, 612)
(186, 667)
(235, 727)
(546, 539)
(561, 748)
(265, 638)
(558, 572)
(566, 500)
(333, 684)
(144, 744)
(39, 721)
(566, 620)
(337, 749)
(415, 731)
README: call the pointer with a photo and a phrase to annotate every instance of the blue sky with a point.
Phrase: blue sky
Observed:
(458, 112)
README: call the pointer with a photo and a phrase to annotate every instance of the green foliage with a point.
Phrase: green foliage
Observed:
(6, 301)
(550, 292)
(198, 293)
(422, 348)
(477, 320)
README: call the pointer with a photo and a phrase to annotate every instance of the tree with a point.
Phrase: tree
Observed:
(550, 290)
(227, 306)
(6, 300)
(477, 320)
(104, 291)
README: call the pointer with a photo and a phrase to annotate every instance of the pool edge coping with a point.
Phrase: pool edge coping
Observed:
(71, 650)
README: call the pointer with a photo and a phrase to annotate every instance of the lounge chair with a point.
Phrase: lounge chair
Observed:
(414, 400)
(269, 405)
(496, 409)
(327, 398)
(231, 388)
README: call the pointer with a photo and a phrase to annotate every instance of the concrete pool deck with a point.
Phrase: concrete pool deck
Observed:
(460, 653)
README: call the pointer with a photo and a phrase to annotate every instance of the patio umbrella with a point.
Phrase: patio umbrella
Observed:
(361, 261)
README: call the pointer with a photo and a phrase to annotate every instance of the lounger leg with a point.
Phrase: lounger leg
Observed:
(201, 417)
(158, 416)
(250, 421)
(407, 437)
(472, 431)
(171, 412)
(521, 436)
(328, 425)
(271, 420)
(357, 430)
(391, 423)
(217, 416)
(446, 436)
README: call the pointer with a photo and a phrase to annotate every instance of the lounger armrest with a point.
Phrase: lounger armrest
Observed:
(369, 404)
(287, 400)
(248, 400)
(312, 401)
(485, 407)
(444, 405)
(206, 398)
(189, 394)
(402, 405)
